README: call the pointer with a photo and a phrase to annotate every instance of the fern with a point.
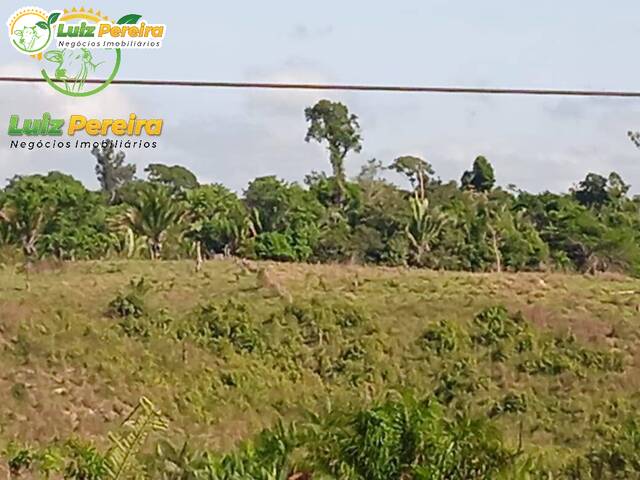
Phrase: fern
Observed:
(143, 420)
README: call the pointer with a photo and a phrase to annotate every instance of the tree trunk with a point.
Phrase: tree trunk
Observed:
(29, 245)
(337, 162)
(496, 251)
(155, 248)
(199, 260)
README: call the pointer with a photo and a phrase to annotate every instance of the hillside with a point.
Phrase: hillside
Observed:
(231, 350)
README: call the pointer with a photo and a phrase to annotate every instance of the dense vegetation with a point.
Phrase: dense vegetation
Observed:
(470, 226)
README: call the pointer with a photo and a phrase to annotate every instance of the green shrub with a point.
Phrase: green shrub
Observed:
(494, 325)
(408, 438)
(564, 353)
(19, 458)
(130, 303)
(318, 319)
(84, 462)
(457, 380)
(439, 339)
(617, 457)
(215, 324)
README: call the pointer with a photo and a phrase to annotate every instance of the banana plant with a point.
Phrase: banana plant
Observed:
(424, 228)
(152, 215)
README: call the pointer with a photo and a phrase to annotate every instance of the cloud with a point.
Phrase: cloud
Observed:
(304, 32)
(31, 101)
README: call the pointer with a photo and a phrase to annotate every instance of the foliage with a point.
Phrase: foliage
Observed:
(176, 177)
(331, 122)
(218, 220)
(111, 170)
(130, 303)
(228, 324)
(480, 178)
(410, 438)
(440, 339)
(471, 225)
(141, 422)
(153, 213)
(315, 371)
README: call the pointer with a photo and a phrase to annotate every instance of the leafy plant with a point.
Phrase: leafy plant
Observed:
(130, 303)
(144, 420)
(439, 339)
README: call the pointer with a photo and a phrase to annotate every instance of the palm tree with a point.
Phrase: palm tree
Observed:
(152, 214)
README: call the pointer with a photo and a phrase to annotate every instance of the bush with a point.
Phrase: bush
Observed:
(408, 438)
(275, 246)
(494, 325)
(229, 323)
(130, 303)
(564, 353)
(439, 339)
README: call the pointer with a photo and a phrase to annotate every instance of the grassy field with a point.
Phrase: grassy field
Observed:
(228, 351)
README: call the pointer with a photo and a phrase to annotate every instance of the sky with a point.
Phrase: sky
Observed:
(233, 136)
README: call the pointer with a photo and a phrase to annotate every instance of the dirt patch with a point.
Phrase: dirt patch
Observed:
(12, 315)
(584, 327)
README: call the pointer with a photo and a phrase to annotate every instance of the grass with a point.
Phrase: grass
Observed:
(224, 353)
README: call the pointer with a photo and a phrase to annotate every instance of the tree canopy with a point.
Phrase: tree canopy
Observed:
(472, 225)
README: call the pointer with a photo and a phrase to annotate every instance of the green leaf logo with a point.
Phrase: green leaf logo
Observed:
(130, 19)
(43, 25)
(53, 18)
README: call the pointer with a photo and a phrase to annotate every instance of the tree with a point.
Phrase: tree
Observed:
(597, 191)
(331, 122)
(54, 214)
(218, 221)
(480, 178)
(177, 177)
(152, 215)
(111, 170)
(27, 204)
(423, 229)
(416, 170)
(286, 209)
(592, 191)
(617, 189)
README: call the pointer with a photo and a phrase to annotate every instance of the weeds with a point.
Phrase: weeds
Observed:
(130, 303)
(439, 339)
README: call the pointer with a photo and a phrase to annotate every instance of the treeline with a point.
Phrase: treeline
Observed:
(468, 225)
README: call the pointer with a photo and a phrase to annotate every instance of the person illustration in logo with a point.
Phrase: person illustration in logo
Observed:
(27, 37)
(73, 67)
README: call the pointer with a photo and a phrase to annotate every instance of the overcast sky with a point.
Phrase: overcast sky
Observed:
(233, 136)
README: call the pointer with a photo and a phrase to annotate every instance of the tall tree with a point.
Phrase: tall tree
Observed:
(332, 123)
(592, 191)
(480, 178)
(111, 170)
(176, 176)
(416, 170)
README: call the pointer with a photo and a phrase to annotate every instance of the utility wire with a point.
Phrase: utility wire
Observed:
(362, 88)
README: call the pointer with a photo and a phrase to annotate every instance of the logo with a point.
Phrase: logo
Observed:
(77, 47)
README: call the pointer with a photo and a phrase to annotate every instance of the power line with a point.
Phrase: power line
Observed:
(362, 88)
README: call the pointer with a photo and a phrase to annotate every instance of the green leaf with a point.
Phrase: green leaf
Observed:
(130, 19)
(43, 25)
(53, 18)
